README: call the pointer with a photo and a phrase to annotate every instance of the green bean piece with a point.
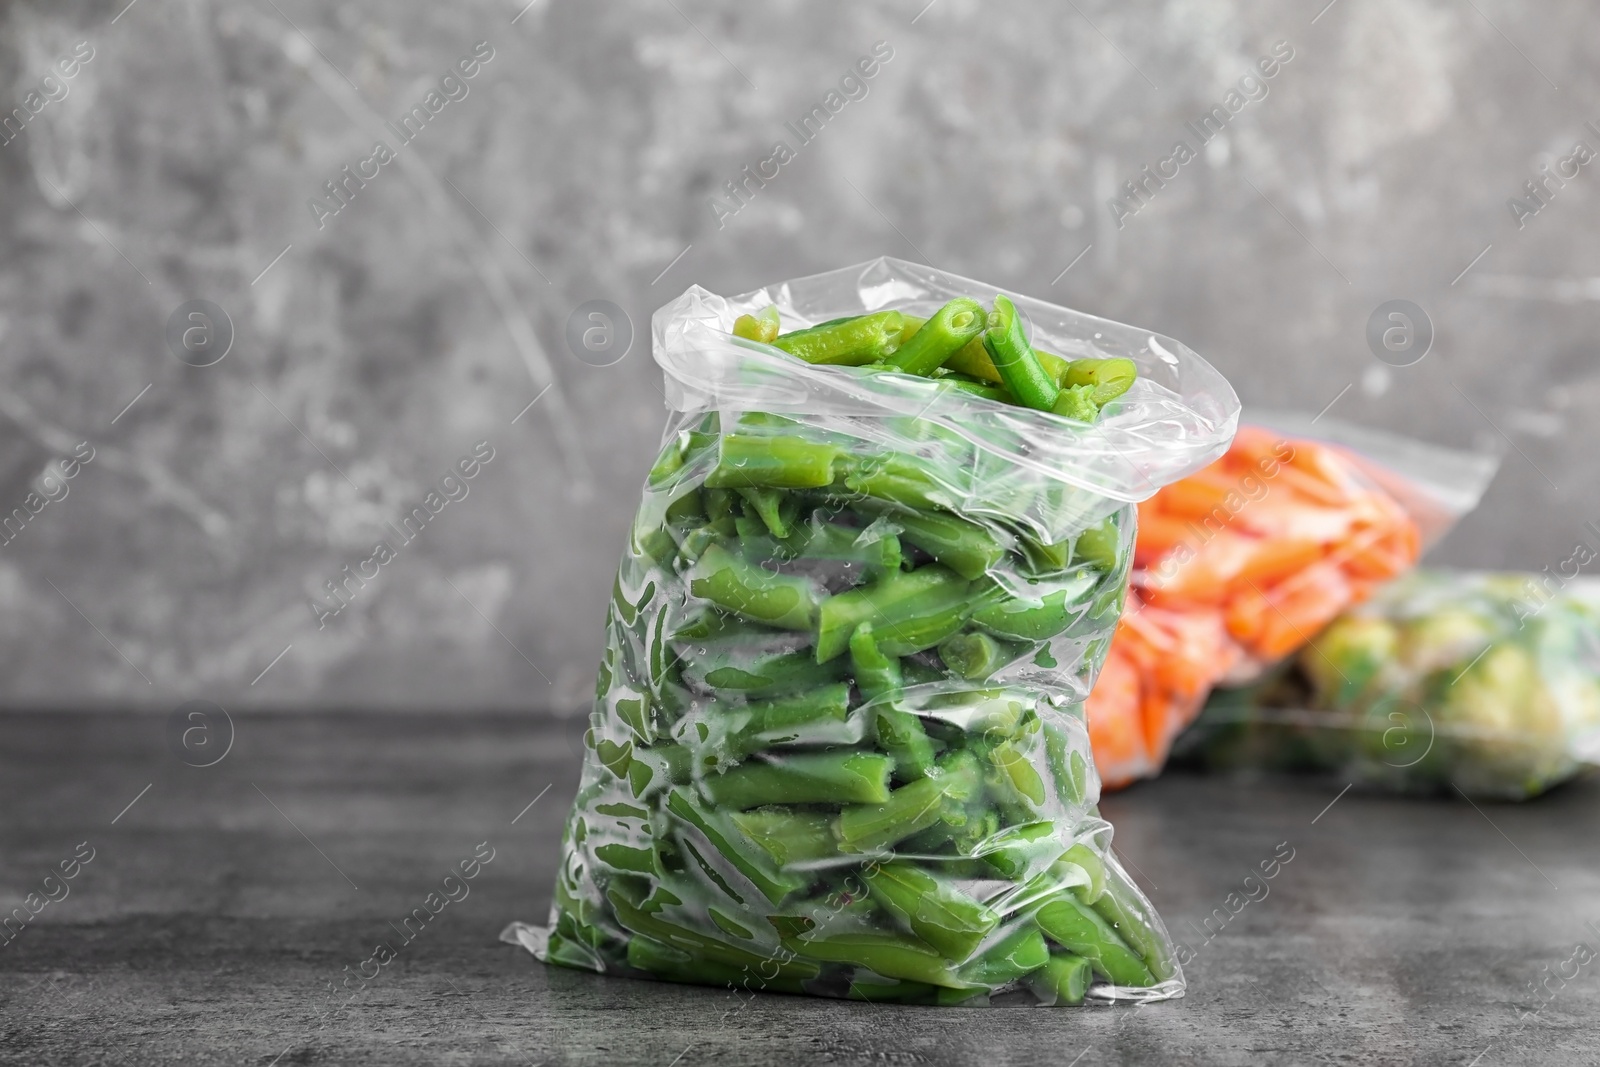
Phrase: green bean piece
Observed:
(898, 731)
(897, 480)
(730, 842)
(747, 460)
(649, 769)
(791, 838)
(980, 716)
(1015, 359)
(909, 611)
(1088, 860)
(898, 992)
(912, 323)
(1066, 765)
(950, 328)
(762, 326)
(846, 777)
(787, 601)
(687, 510)
(1018, 853)
(1012, 762)
(643, 917)
(770, 506)
(1020, 952)
(973, 360)
(1064, 979)
(1078, 928)
(877, 675)
(829, 541)
(651, 956)
(1118, 908)
(1106, 378)
(890, 955)
(753, 536)
(659, 546)
(1045, 560)
(670, 462)
(626, 858)
(1098, 546)
(914, 807)
(965, 547)
(974, 656)
(714, 625)
(1034, 620)
(761, 675)
(963, 830)
(1076, 402)
(850, 342)
(935, 911)
(695, 543)
(721, 510)
(770, 722)
(983, 389)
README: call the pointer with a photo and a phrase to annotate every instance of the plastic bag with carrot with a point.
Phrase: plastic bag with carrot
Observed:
(1241, 564)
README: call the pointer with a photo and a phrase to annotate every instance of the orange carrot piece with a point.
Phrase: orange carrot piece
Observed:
(1208, 575)
(1116, 733)
(1275, 560)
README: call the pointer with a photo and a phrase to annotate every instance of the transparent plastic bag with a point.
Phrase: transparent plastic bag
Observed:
(837, 745)
(1487, 683)
(1239, 565)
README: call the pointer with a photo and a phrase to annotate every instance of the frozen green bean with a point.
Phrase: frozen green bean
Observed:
(828, 754)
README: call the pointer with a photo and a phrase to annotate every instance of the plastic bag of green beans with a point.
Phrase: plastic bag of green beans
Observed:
(837, 746)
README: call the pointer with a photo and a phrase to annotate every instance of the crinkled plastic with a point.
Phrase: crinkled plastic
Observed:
(837, 746)
(1241, 564)
(1486, 683)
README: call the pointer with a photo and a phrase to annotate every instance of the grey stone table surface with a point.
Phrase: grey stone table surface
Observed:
(220, 906)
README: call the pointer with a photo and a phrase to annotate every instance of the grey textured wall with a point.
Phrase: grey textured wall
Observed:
(374, 347)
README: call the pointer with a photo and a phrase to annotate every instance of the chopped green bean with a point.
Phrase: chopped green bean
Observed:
(1015, 359)
(950, 328)
(825, 778)
(787, 601)
(848, 342)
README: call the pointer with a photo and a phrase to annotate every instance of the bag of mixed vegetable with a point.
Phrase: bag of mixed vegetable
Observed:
(837, 745)
(1240, 564)
(1484, 683)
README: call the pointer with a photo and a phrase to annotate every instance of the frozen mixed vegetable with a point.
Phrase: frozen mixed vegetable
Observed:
(1486, 683)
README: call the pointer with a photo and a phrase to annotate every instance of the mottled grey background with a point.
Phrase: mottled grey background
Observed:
(430, 311)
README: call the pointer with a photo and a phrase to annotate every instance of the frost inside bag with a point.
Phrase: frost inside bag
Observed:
(837, 746)
(1240, 564)
(1486, 683)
